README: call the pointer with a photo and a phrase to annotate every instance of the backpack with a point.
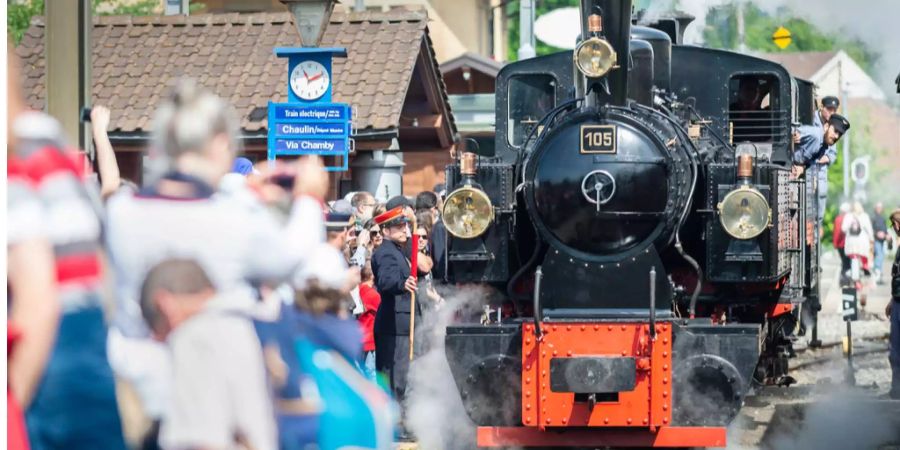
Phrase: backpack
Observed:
(855, 229)
(357, 413)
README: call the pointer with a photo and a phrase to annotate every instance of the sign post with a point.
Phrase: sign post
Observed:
(781, 37)
(310, 123)
(850, 313)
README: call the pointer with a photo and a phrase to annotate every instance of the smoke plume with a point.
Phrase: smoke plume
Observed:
(434, 409)
(872, 22)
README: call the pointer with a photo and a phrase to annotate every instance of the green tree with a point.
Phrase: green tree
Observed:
(721, 32)
(19, 14)
(862, 144)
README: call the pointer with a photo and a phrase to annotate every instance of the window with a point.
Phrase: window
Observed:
(753, 109)
(530, 98)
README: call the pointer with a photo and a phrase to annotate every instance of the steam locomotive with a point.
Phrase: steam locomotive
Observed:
(652, 254)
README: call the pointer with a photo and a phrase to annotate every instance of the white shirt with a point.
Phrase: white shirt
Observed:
(219, 383)
(862, 242)
(232, 243)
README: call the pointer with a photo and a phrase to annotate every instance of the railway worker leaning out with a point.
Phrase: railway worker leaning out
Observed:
(893, 312)
(815, 150)
(828, 107)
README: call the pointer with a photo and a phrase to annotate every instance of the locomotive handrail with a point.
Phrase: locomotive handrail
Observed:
(538, 274)
(652, 303)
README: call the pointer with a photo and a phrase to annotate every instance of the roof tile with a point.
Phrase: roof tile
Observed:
(136, 58)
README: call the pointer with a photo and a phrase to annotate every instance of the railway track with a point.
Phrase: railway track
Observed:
(823, 411)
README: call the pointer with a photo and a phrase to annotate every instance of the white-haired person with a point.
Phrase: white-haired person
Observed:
(180, 214)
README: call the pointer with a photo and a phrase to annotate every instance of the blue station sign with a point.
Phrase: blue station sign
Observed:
(310, 123)
(322, 112)
(311, 146)
(319, 129)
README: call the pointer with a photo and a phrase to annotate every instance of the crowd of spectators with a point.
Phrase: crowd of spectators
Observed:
(243, 310)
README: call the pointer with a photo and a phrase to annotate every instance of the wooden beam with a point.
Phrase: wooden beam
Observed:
(68, 56)
(426, 121)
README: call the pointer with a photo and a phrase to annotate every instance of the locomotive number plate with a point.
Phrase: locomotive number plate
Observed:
(598, 139)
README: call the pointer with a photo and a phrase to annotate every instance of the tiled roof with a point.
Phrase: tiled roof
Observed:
(483, 64)
(801, 64)
(136, 59)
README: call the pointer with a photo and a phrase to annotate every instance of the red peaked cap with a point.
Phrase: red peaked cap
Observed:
(389, 216)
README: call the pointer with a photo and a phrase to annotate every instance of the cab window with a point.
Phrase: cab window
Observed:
(754, 112)
(530, 98)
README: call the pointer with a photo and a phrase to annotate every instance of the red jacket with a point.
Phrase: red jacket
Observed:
(16, 437)
(371, 300)
(838, 236)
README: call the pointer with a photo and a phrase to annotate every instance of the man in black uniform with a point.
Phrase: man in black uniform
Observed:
(390, 265)
(893, 313)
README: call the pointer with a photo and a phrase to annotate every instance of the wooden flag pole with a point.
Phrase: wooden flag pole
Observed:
(413, 272)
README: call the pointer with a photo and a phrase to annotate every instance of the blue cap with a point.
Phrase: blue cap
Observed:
(337, 221)
(242, 166)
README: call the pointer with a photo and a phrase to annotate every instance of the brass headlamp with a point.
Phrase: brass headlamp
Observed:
(468, 211)
(594, 57)
(744, 213)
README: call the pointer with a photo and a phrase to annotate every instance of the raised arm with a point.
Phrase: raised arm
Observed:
(108, 168)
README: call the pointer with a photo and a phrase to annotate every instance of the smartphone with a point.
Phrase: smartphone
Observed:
(286, 181)
(86, 114)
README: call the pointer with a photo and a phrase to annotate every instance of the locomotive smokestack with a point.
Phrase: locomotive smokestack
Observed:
(616, 23)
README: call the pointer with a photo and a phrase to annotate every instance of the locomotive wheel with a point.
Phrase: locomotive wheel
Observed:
(708, 391)
(489, 399)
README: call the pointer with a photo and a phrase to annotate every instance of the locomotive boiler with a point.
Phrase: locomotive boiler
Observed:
(638, 217)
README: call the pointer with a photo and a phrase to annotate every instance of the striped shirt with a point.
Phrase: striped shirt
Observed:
(48, 198)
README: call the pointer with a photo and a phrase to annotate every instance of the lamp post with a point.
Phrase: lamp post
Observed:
(846, 147)
(310, 17)
(526, 30)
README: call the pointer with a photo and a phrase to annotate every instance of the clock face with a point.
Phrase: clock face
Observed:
(309, 80)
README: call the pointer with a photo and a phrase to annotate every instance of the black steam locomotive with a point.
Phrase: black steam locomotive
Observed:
(638, 217)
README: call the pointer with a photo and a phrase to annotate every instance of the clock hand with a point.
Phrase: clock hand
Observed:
(316, 77)
(305, 75)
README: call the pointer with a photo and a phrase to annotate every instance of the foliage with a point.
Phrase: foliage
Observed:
(19, 13)
(862, 145)
(721, 32)
(120, 8)
(541, 7)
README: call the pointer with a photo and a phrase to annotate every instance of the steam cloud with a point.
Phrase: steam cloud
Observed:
(873, 22)
(845, 419)
(434, 409)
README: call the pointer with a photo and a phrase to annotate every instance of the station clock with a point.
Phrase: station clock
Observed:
(309, 80)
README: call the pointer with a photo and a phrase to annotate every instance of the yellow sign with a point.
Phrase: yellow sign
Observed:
(781, 37)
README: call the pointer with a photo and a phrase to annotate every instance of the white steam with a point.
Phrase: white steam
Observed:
(845, 419)
(873, 22)
(434, 409)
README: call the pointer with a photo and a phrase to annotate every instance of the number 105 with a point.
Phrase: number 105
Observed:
(599, 138)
